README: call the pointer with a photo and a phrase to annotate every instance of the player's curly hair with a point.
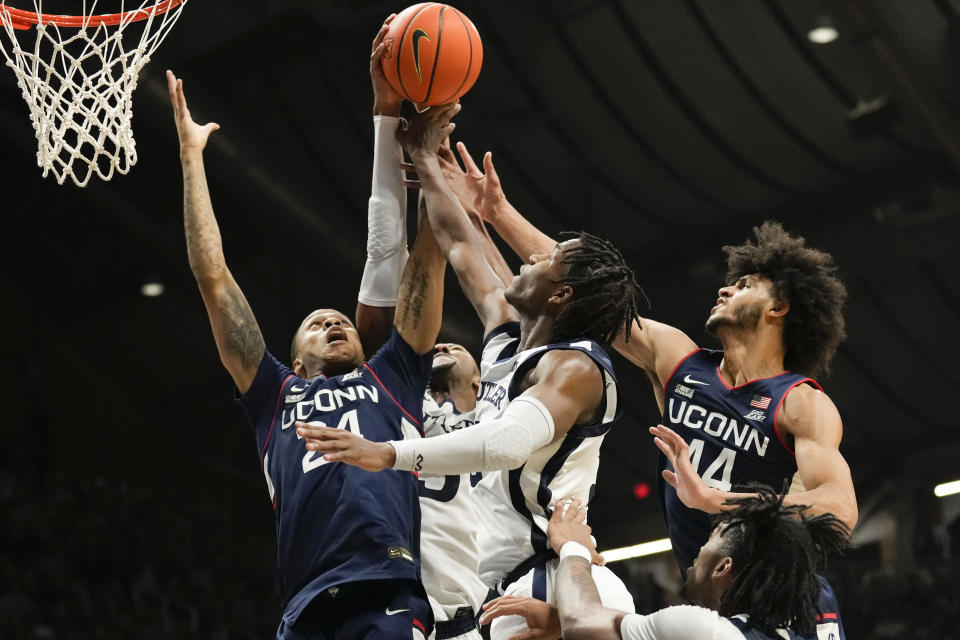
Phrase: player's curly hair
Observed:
(777, 552)
(804, 278)
(605, 291)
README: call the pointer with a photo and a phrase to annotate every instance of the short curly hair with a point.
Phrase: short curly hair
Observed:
(804, 278)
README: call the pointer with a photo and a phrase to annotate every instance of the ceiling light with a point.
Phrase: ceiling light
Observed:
(152, 289)
(823, 31)
(637, 550)
(947, 489)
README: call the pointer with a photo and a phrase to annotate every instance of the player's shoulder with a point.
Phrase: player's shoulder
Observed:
(806, 406)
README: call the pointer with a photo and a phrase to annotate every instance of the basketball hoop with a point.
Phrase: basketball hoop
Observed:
(79, 88)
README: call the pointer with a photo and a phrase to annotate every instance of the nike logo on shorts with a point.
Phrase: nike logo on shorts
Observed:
(393, 612)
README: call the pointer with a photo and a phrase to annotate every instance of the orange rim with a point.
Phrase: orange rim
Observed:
(26, 19)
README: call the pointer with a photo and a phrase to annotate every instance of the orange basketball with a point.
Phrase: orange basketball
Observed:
(433, 54)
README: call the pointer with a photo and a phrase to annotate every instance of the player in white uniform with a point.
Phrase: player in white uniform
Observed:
(543, 413)
(754, 579)
(448, 532)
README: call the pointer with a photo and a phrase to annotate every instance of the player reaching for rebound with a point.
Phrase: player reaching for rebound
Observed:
(347, 552)
(448, 543)
(548, 394)
(748, 413)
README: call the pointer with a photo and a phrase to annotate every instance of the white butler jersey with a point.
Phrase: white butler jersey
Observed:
(514, 506)
(448, 536)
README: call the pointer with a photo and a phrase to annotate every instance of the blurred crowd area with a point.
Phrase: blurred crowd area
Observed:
(89, 558)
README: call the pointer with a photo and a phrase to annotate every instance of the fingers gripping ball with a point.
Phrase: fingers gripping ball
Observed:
(433, 54)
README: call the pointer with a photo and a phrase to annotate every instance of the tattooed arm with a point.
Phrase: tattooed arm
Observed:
(420, 306)
(235, 329)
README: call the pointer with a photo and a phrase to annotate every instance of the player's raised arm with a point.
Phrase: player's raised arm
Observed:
(386, 212)
(492, 205)
(655, 347)
(456, 235)
(469, 192)
(419, 311)
(234, 327)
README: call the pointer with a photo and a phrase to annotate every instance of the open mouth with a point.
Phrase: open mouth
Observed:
(336, 335)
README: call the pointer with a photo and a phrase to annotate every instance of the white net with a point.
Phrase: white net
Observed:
(78, 80)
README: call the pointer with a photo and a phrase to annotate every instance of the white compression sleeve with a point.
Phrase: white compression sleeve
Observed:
(386, 219)
(495, 445)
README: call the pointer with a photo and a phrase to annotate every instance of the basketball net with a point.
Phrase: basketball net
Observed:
(78, 79)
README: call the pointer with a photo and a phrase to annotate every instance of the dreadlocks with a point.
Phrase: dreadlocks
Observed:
(606, 292)
(804, 278)
(777, 552)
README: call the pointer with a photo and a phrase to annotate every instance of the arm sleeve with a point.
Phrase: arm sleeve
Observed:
(679, 623)
(494, 445)
(386, 219)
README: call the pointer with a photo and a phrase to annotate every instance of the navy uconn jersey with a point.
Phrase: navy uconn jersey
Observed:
(514, 506)
(733, 438)
(336, 523)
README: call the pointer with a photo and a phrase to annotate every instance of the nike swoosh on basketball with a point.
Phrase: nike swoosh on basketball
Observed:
(419, 33)
(393, 612)
(690, 380)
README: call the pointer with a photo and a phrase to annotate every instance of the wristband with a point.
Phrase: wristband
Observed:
(571, 548)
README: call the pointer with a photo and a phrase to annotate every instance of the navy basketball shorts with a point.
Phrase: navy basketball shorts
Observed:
(365, 612)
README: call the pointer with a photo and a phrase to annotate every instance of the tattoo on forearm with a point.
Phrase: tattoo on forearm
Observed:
(582, 587)
(413, 293)
(242, 335)
(204, 248)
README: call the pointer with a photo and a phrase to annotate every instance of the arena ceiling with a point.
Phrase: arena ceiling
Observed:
(672, 127)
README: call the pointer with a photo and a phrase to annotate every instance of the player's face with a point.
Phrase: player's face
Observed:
(453, 367)
(537, 282)
(741, 304)
(328, 343)
(704, 584)
(453, 358)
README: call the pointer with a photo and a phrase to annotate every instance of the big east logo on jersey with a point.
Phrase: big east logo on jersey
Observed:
(327, 400)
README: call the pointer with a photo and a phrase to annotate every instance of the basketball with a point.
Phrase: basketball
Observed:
(433, 54)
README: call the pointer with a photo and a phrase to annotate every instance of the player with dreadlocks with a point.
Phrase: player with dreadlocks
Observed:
(754, 579)
(548, 393)
(749, 412)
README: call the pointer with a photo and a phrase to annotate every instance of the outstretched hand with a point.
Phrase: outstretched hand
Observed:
(193, 137)
(690, 487)
(569, 522)
(478, 191)
(543, 620)
(386, 101)
(427, 129)
(340, 445)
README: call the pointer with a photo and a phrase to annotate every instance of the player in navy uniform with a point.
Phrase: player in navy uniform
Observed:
(347, 553)
(746, 417)
(548, 393)
(754, 579)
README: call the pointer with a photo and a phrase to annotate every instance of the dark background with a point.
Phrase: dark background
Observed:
(130, 497)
